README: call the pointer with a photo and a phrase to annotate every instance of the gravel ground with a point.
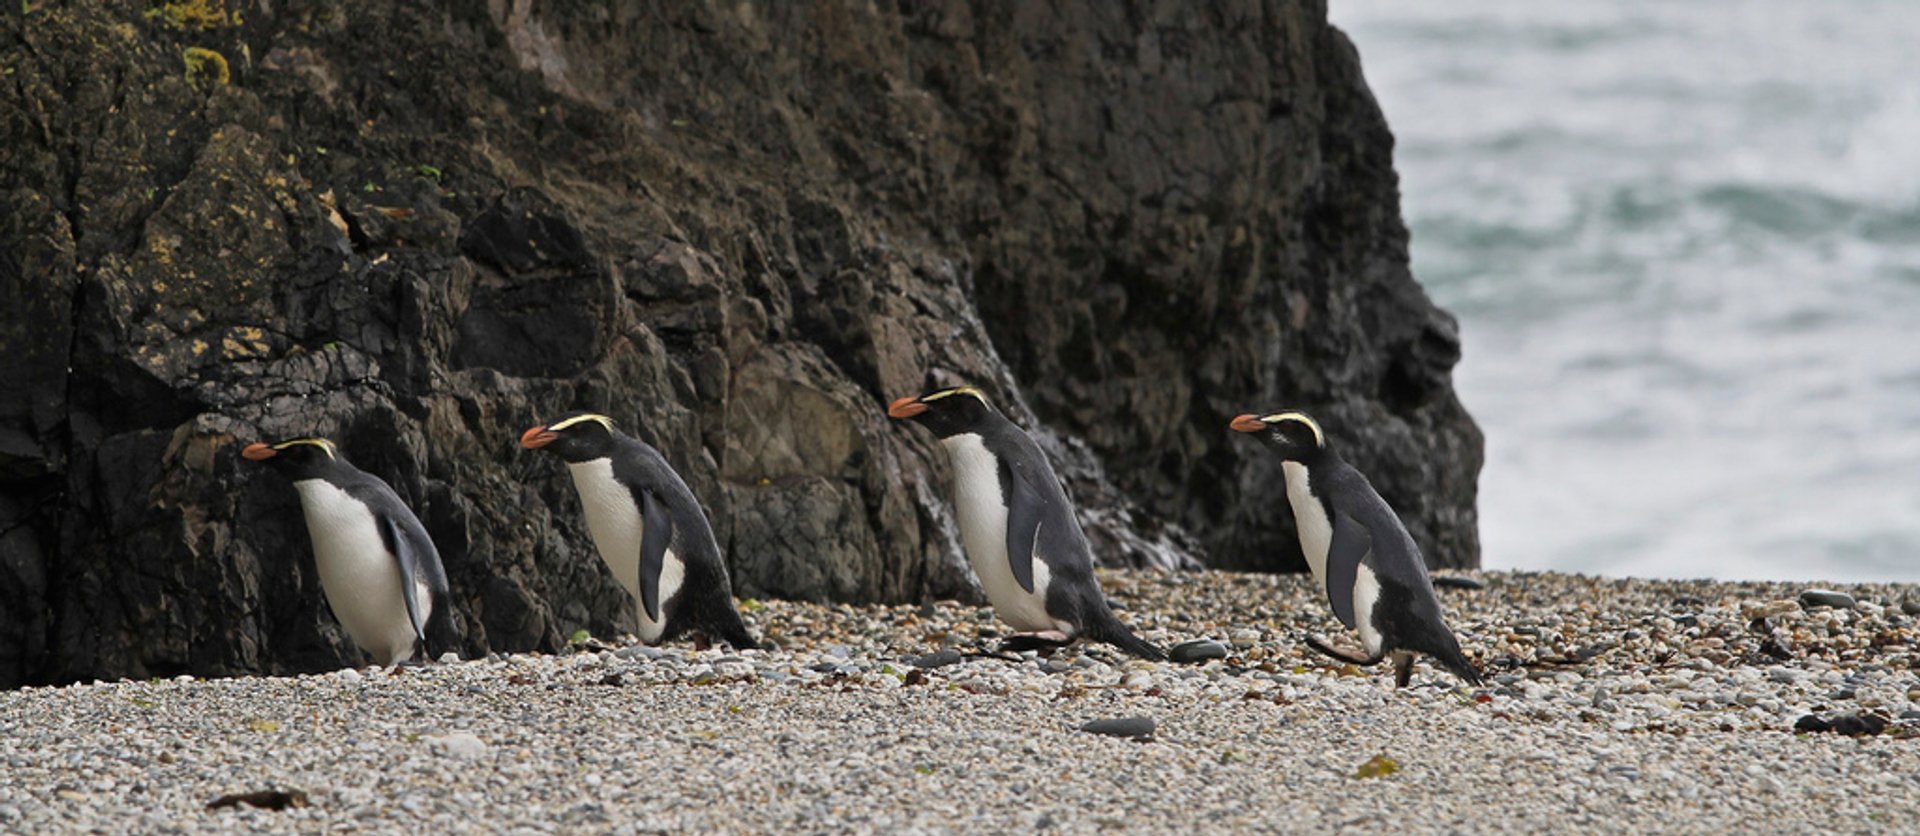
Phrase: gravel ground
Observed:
(1610, 705)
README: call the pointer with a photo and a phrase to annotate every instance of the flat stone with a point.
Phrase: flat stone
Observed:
(1197, 650)
(1826, 598)
(1129, 727)
(463, 745)
(937, 659)
(1458, 582)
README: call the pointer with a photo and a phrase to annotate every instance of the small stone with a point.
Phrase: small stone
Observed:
(449, 658)
(1197, 650)
(638, 651)
(1244, 639)
(937, 659)
(1910, 714)
(1771, 609)
(1129, 727)
(1458, 582)
(1910, 604)
(1826, 598)
(349, 675)
(463, 745)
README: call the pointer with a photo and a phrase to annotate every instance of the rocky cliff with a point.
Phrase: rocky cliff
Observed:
(738, 228)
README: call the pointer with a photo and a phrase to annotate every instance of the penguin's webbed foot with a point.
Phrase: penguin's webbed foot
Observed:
(1402, 669)
(1041, 640)
(1346, 656)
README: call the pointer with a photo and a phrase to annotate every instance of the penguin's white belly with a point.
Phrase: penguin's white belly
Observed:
(1366, 592)
(616, 525)
(360, 577)
(1310, 517)
(982, 513)
(1316, 540)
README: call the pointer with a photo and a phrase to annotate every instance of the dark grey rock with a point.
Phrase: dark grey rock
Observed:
(938, 659)
(1826, 598)
(1910, 604)
(1133, 727)
(1197, 650)
(1852, 725)
(1458, 582)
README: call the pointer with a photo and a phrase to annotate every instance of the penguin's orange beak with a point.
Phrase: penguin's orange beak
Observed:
(258, 452)
(906, 407)
(1248, 424)
(537, 437)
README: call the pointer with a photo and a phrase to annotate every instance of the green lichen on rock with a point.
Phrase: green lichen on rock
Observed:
(205, 67)
(194, 14)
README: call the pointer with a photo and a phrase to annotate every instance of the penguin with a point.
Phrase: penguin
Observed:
(379, 569)
(1359, 551)
(648, 528)
(1019, 532)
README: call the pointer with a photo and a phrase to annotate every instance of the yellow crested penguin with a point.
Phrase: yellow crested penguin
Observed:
(648, 528)
(1359, 551)
(379, 569)
(1019, 532)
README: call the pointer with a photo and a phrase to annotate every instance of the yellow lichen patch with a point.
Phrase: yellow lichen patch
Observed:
(243, 341)
(205, 66)
(194, 14)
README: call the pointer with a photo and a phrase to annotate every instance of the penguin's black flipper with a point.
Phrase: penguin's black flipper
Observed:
(413, 554)
(1351, 543)
(1026, 508)
(655, 534)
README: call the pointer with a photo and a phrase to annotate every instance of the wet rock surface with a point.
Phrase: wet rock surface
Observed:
(737, 230)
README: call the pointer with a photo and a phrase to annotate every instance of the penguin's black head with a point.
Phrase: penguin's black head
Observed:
(298, 459)
(580, 437)
(1294, 434)
(948, 412)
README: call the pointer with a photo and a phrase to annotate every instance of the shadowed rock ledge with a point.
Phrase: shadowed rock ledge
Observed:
(736, 228)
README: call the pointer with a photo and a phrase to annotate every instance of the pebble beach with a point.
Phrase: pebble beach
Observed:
(1609, 705)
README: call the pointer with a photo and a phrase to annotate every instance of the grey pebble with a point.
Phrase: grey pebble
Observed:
(1197, 650)
(463, 745)
(1826, 598)
(1458, 582)
(1132, 727)
(937, 659)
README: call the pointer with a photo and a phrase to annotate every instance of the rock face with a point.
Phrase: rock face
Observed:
(738, 229)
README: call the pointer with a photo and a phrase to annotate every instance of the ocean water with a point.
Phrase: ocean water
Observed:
(1683, 241)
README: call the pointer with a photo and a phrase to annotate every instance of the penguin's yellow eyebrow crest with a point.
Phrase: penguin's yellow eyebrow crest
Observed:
(602, 420)
(323, 444)
(1319, 438)
(959, 390)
